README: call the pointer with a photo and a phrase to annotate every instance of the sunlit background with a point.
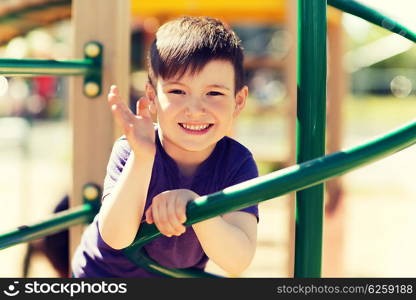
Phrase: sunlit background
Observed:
(368, 233)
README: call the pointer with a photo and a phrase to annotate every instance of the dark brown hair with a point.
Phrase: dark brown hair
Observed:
(189, 43)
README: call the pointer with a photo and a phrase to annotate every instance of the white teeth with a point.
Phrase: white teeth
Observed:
(194, 127)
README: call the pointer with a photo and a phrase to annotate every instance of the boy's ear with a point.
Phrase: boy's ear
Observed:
(240, 100)
(151, 95)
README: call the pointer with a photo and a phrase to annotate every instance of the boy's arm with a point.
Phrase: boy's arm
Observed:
(121, 211)
(229, 240)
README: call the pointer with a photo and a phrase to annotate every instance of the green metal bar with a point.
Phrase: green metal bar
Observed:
(311, 116)
(284, 181)
(34, 67)
(56, 223)
(144, 261)
(357, 9)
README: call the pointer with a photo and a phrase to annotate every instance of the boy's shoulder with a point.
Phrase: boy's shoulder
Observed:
(233, 148)
(235, 163)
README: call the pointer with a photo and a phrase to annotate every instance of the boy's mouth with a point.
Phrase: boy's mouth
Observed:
(196, 128)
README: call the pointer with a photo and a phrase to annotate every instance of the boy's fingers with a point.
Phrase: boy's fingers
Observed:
(160, 219)
(114, 98)
(181, 210)
(173, 211)
(149, 217)
(117, 115)
(142, 107)
(155, 216)
(114, 89)
(121, 116)
(122, 113)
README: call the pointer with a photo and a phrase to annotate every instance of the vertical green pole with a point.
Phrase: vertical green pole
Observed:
(311, 112)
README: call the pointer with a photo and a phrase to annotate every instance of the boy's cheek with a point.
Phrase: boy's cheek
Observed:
(163, 105)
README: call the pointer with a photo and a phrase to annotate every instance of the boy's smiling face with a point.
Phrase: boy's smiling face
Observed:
(195, 111)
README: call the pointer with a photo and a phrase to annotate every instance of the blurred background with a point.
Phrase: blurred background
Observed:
(371, 90)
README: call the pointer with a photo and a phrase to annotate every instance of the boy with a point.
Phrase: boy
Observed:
(195, 90)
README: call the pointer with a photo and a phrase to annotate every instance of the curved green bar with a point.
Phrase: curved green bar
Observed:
(147, 263)
(284, 181)
(57, 222)
(34, 67)
(357, 9)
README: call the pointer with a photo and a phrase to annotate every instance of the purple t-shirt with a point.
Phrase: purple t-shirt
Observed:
(229, 163)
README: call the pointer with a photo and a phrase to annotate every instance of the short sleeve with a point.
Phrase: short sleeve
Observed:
(118, 158)
(247, 171)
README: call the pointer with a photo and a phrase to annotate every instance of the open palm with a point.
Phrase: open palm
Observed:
(138, 128)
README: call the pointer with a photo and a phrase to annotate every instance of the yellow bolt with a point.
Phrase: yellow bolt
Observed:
(91, 89)
(90, 192)
(92, 50)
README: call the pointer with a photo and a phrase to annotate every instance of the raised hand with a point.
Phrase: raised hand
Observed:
(138, 129)
(168, 211)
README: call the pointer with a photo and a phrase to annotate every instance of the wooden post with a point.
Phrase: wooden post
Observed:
(93, 134)
(333, 246)
(336, 95)
(291, 83)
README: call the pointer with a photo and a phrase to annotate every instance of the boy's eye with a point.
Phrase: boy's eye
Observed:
(213, 93)
(177, 92)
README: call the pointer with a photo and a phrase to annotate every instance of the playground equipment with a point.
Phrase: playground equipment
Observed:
(312, 169)
(19, 17)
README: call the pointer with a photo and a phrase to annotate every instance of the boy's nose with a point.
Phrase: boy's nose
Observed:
(195, 107)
